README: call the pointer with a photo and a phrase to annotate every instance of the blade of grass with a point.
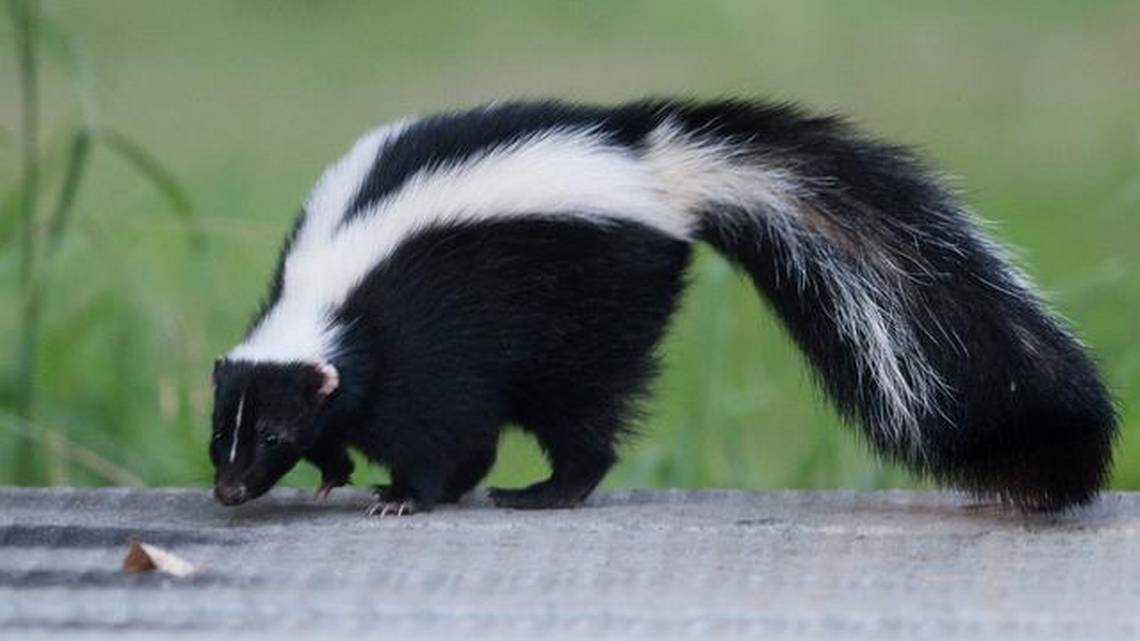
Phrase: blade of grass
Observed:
(23, 15)
(78, 156)
(23, 19)
(54, 158)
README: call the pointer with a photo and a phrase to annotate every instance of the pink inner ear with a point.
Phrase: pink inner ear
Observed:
(332, 379)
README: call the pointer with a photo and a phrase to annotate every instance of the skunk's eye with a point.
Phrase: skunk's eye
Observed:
(217, 436)
(270, 439)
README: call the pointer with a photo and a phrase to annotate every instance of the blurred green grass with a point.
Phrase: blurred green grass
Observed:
(1036, 105)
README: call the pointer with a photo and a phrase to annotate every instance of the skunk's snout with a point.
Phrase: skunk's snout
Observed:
(231, 494)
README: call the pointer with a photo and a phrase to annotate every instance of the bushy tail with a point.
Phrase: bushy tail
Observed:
(916, 323)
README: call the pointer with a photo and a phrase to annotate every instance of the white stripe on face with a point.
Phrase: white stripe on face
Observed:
(237, 427)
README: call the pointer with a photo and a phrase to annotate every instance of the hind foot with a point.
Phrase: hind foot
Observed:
(381, 509)
(390, 501)
(545, 495)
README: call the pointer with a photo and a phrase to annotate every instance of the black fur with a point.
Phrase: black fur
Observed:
(551, 324)
(544, 324)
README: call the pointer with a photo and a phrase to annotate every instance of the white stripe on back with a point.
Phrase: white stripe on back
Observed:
(566, 172)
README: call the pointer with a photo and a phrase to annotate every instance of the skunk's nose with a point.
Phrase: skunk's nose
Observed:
(230, 494)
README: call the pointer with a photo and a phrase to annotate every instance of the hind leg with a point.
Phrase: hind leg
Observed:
(580, 455)
(437, 460)
(468, 474)
(462, 480)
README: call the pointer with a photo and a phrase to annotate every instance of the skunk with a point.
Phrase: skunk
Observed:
(518, 264)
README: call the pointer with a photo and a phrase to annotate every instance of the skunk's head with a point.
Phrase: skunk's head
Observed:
(265, 419)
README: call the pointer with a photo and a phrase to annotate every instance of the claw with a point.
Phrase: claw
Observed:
(381, 509)
(322, 493)
(326, 487)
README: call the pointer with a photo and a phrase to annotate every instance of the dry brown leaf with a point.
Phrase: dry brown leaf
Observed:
(142, 557)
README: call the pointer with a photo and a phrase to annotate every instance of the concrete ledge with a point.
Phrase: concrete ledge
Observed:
(630, 565)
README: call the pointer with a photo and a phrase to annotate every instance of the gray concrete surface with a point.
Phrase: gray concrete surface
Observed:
(630, 565)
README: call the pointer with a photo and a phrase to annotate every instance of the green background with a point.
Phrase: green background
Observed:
(1033, 105)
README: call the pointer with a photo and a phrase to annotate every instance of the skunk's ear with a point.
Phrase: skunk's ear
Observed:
(330, 379)
(218, 363)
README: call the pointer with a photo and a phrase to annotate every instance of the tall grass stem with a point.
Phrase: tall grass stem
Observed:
(24, 14)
